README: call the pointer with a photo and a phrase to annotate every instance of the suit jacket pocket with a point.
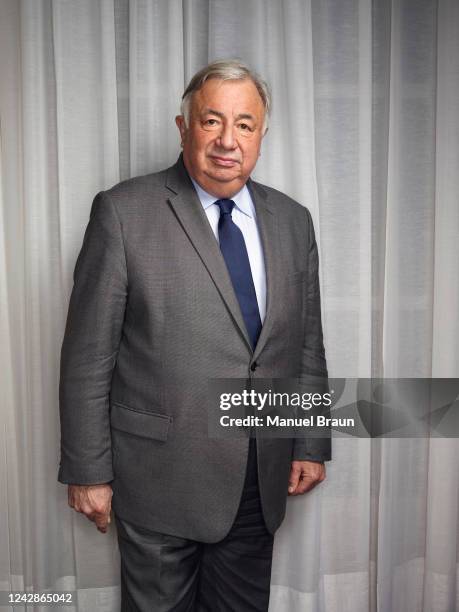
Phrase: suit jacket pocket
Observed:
(143, 424)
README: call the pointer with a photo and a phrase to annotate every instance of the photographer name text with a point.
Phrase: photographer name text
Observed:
(277, 421)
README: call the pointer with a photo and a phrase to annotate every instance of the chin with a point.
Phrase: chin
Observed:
(223, 176)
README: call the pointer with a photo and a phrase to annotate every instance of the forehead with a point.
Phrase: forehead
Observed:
(228, 96)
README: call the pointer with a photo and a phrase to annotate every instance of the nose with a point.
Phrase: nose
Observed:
(226, 138)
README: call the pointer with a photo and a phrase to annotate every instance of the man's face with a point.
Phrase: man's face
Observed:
(222, 143)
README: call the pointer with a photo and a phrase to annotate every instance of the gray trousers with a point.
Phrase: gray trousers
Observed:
(163, 573)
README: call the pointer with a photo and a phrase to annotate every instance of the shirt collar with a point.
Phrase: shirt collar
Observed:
(241, 199)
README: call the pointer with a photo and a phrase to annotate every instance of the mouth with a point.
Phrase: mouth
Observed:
(225, 162)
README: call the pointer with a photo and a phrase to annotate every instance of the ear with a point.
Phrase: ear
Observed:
(180, 122)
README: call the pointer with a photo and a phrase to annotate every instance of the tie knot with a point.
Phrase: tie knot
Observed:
(225, 206)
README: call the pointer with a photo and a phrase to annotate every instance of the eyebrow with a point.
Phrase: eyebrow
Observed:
(219, 114)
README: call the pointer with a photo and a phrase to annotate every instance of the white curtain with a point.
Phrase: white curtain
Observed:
(365, 132)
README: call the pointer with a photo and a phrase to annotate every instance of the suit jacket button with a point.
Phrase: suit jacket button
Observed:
(254, 366)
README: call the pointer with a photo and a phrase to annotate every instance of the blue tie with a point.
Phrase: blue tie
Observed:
(234, 252)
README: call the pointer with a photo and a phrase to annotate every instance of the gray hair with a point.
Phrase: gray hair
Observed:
(226, 70)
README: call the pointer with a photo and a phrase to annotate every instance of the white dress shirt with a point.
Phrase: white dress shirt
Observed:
(244, 217)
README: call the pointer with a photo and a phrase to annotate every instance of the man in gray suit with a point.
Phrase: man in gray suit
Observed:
(187, 275)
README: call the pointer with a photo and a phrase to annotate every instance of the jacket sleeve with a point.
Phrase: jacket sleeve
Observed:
(90, 347)
(313, 373)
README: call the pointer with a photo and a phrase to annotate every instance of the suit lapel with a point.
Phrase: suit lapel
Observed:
(268, 228)
(193, 219)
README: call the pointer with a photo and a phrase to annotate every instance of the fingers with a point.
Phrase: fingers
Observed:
(304, 476)
(102, 521)
(295, 473)
(94, 501)
(305, 484)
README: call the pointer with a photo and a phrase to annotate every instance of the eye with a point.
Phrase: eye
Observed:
(245, 127)
(211, 122)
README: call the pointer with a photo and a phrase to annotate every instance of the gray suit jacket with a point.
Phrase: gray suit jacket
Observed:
(152, 317)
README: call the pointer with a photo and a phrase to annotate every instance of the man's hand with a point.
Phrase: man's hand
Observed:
(304, 476)
(94, 501)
